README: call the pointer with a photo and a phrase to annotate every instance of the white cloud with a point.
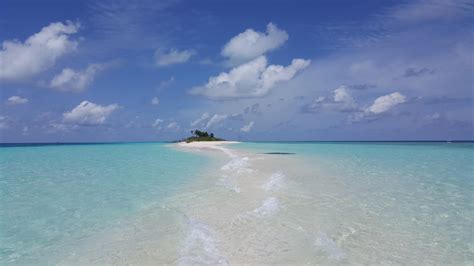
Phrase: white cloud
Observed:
(19, 61)
(386, 102)
(25, 131)
(60, 127)
(173, 126)
(3, 122)
(427, 10)
(155, 101)
(16, 100)
(252, 79)
(173, 56)
(215, 119)
(248, 127)
(87, 113)
(380, 105)
(276, 73)
(251, 44)
(157, 123)
(201, 119)
(165, 83)
(341, 95)
(341, 101)
(434, 116)
(71, 80)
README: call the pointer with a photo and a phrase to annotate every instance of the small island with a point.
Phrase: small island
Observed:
(198, 135)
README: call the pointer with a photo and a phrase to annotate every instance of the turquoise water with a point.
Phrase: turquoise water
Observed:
(433, 162)
(417, 194)
(53, 196)
(365, 203)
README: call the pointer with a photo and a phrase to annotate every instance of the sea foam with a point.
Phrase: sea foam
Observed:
(270, 206)
(274, 182)
(326, 244)
(226, 151)
(227, 182)
(238, 164)
(199, 246)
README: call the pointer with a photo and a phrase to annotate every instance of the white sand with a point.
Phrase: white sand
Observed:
(243, 204)
(207, 143)
(260, 209)
(236, 212)
(204, 144)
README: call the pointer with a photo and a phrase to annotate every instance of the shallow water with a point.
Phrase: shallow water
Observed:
(385, 202)
(52, 197)
(328, 203)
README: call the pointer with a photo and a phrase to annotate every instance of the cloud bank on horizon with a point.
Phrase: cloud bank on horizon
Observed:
(387, 71)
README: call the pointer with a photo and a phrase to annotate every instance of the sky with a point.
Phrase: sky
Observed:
(128, 70)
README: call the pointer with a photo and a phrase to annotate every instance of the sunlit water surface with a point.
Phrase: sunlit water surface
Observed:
(326, 203)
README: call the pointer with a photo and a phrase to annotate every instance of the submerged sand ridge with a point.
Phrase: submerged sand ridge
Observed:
(247, 213)
(250, 207)
(228, 216)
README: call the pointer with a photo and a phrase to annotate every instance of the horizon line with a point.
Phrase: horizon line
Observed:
(169, 141)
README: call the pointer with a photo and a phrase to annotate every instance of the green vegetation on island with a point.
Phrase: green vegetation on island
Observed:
(199, 135)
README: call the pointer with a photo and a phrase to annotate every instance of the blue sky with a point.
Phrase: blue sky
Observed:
(86, 71)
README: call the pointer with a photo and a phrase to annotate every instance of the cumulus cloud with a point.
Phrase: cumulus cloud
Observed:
(16, 100)
(173, 56)
(252, 79)
(155, 101)
(70, 80)
(386, 102)
(342, 95)
(251, 44)
(380, 106)
(87, 113)
(173, 126)
(201, 119)
(215, 119)
(19, 61)
(157, 123)
(248, 127)
(341, 101)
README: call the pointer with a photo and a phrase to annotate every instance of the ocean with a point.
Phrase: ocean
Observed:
(258, 203)
(53, 196)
